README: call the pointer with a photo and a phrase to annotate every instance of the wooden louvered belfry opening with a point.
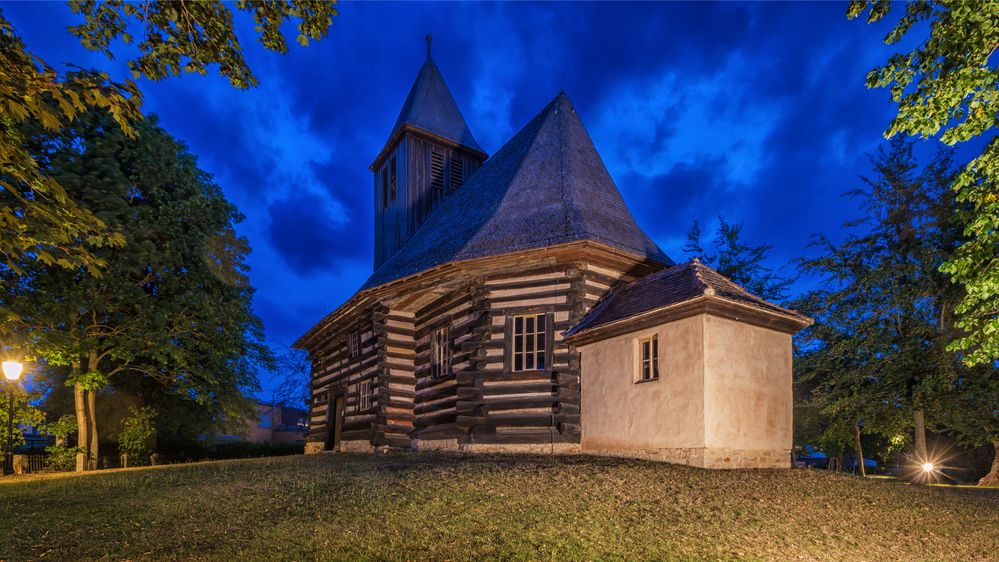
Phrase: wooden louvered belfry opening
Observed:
(437, 161)
(457, 171)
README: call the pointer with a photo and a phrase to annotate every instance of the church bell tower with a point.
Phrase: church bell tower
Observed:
(429, 154)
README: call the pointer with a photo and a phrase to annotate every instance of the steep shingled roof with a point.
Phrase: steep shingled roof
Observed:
(431, 107)
(673, 285)
(546, 186)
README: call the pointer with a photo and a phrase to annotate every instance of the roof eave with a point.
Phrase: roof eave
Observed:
(707, 304)
(417, 132)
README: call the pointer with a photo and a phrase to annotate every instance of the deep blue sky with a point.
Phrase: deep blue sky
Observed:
(756, 111)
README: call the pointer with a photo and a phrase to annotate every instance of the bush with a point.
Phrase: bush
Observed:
(61, 458)
(138, 433)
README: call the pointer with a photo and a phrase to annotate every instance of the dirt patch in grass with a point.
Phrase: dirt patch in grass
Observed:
(448, 507)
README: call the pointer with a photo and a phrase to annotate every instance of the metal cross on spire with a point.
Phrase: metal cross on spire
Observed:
(429, 39)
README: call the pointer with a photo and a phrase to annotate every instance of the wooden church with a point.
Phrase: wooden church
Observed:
(515, 305)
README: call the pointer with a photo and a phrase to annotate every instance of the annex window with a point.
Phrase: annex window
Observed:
(392, 179)
(364, 395)
(457, 171)
(529, 337)
(353, 344)
(648, 349)
(385, 187)
(440, 361)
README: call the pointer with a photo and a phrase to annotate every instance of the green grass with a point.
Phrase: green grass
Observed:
(420, 507)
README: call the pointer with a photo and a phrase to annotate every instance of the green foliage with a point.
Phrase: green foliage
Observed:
(174, 306)
(61, 458)
(63, 427)
(38, 219)
(876, 350)
(738, 261)
(24, 413)
(137, 437)
(947, 86)
(180, 37)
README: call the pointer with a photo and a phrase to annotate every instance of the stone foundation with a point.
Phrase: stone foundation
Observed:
(452, 445)
(356, 447)
(705, 457)
(313, 447)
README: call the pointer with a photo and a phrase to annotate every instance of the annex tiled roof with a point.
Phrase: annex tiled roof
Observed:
(673, 285)
(431, 107)
(546, 186)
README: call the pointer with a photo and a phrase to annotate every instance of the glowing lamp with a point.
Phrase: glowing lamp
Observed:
(12, 370)
(928, 467)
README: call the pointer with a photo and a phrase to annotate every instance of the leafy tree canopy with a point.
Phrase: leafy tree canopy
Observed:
(948, 86)
(38, 219)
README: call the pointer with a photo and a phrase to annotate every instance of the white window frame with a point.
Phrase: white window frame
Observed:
(529, 345)
(363, 395)
(648, 359)
(440, 360)
(353, 344)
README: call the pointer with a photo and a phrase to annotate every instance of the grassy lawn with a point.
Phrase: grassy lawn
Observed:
(449, 507)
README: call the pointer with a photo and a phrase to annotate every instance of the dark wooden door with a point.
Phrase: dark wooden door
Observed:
(338, 423)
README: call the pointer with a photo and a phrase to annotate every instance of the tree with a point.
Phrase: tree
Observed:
(138, 433)
(25, 414)
(877, 348)
(947, 87)
(174, 305)
(738, 261)
(38, 219)
(294, 377)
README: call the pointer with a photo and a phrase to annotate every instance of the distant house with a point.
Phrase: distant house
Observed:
(515, 305)
(273, 424)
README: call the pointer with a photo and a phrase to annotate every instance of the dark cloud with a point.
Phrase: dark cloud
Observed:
(308, 236)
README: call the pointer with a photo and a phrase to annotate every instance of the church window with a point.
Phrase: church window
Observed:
(437, 174)
(353, 344)
(457, 171)
(440, 362)
(529, 341)
(648, 369)
(364, 395)
(392, 179)
(385, 188)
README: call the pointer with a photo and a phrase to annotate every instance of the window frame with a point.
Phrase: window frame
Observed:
(392, 179)
(533, 339)
(441, 352)
(648, 365)
(353, 344)
(364, 396)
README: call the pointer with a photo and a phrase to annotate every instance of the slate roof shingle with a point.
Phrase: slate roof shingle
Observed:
(670, 286)
(431, 107)
(546, 186)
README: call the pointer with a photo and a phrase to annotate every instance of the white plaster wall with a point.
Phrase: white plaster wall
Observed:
(617, 413)
(747, 386)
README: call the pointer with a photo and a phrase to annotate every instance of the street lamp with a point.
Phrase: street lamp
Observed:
(11, 370)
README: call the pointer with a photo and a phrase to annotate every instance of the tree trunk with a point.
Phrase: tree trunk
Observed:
(859, 450)
(992, 478)
(93, 445)
(920, 430)
(82, 420)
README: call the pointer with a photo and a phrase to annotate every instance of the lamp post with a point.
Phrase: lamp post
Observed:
(11, 370)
